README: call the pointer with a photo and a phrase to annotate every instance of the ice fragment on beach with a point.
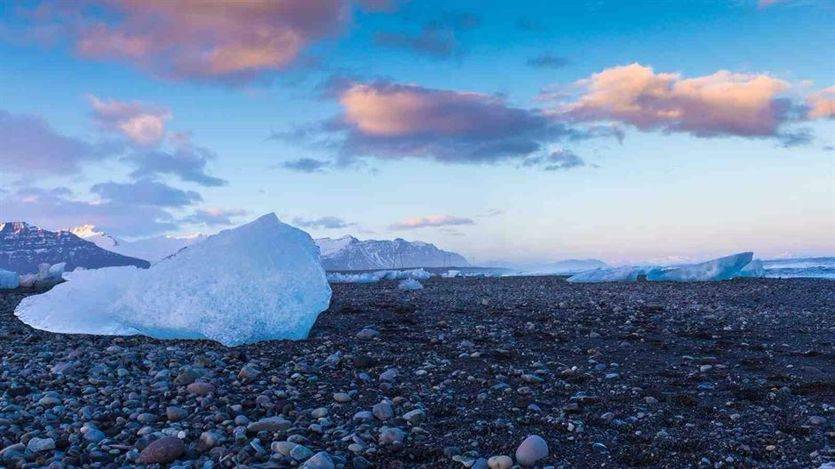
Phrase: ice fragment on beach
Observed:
(409, 284)
(373, 277)
(723, 268)
(260, 281)
(9, 280)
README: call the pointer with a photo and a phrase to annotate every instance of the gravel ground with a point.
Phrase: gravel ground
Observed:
(728, 374)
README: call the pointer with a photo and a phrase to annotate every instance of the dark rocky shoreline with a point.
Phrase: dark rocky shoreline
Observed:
(727, 374)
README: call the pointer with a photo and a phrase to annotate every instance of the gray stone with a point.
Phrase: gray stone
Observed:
(320, 460)
(383, 410)
(36, 445)
(533, 449)
(269, 424)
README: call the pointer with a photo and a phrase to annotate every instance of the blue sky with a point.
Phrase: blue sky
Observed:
(516, 131)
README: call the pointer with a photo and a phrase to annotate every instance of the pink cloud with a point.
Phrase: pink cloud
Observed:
(723, 103)
(822, 104)
(200, 39)
(431, 221)
(142, 124)
(389, 120)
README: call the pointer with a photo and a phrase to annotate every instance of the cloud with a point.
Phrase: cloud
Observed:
(198, 39)
(431, 221)
(723, 103)
(214, 216)
(327, 223)
(307, 165)
(187, 161)
(547, 60)
(56, 209)
(555, 161)
(30, 146)
(142, 124)
(822, 104)
(145, 192)
(437, 38)
(387, 120)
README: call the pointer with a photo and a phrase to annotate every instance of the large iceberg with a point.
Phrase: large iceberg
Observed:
(260, 281)
(753, 269)
(723, 268)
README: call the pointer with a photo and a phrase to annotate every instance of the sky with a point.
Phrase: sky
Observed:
(522, 131)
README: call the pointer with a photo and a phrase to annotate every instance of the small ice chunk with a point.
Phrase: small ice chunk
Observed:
(723, 268)
(260, 281)
(409, 284)
(9, 280)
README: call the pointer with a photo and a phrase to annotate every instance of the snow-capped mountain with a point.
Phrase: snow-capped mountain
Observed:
(349, 253)
(24, 246)
(150, 249)
(100, 239)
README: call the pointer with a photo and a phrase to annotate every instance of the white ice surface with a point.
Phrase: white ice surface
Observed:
(260, 281)
(754, 268)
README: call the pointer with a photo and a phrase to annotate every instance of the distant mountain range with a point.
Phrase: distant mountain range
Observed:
(24, 246)
(150, 249)
(349, 253)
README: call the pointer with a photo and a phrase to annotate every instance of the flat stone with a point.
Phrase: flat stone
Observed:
(201, 388)
(162, 451)
(383, 411)
(269, 424)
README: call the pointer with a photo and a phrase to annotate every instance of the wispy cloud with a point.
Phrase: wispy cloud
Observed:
(30, 146)
(547, 60)
(145, 192)
(437, 38)
(431, 221)
(187, 161)
(214, 216)
(555, 161)
(58, 208)
(141, 124)
(327, 223)
(307, 165)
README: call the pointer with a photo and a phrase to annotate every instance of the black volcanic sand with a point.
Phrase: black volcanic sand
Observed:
(728, 374)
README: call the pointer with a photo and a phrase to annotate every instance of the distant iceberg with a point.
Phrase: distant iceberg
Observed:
(723, 268)
(614, 274)
(260, 281)
(377, 276)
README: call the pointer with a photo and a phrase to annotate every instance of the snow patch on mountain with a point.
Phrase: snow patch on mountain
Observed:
(152, 249)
